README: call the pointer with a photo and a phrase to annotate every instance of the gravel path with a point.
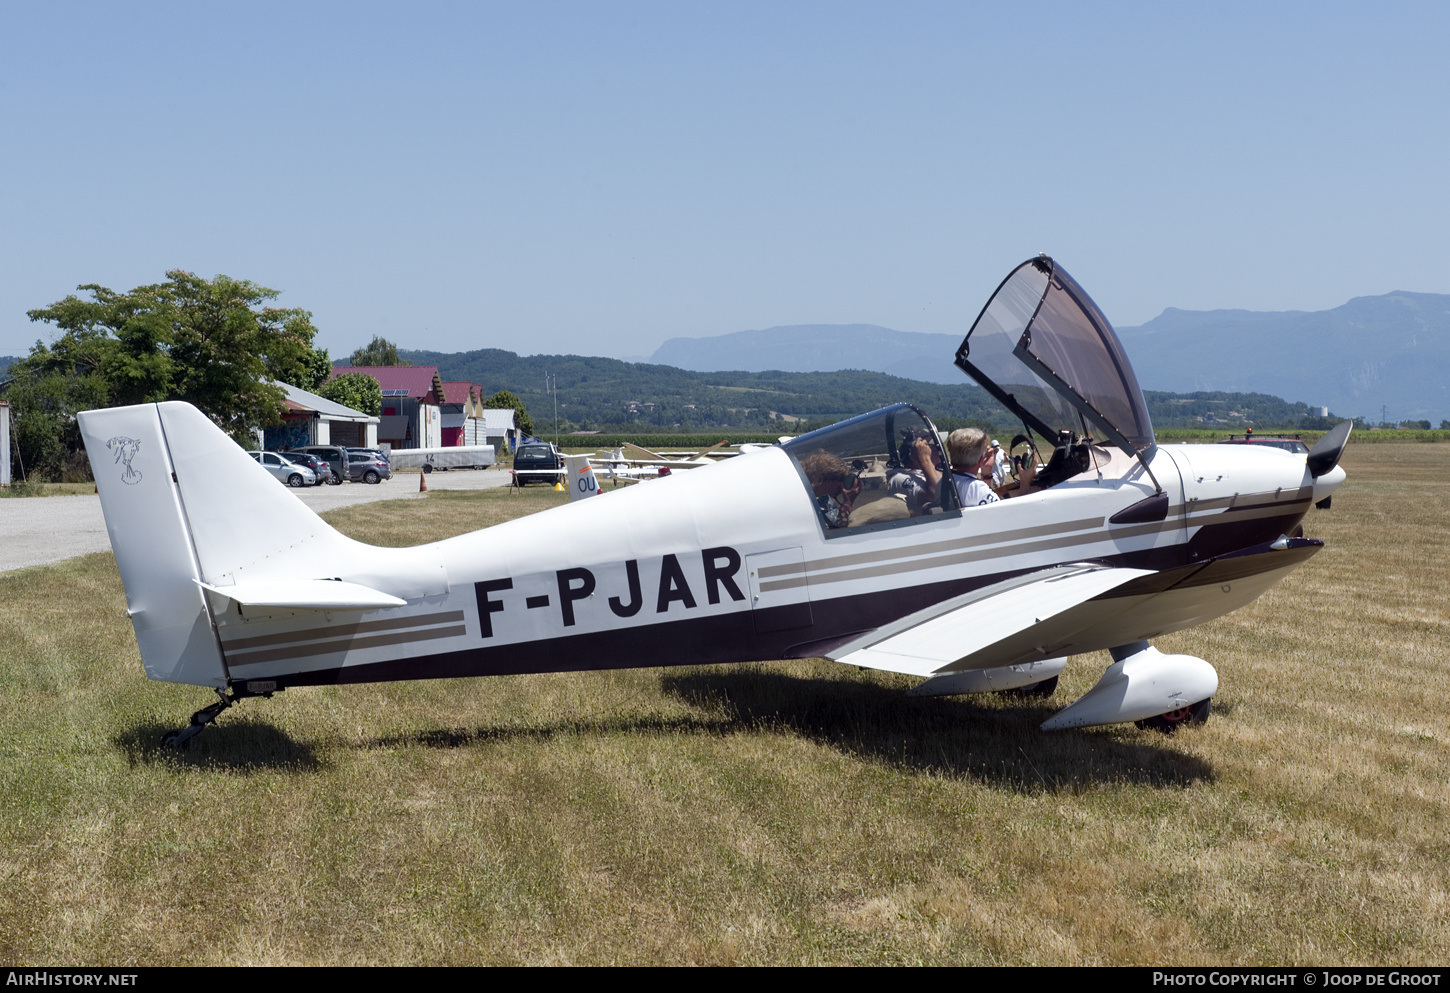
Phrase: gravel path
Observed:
(42, 530)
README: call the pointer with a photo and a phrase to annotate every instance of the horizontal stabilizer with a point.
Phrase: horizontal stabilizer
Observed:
(307, 594)
(999, 625)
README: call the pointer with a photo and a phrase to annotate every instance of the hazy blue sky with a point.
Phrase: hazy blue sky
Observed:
(597, 177)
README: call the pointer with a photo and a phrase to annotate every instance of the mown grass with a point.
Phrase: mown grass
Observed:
(799, 812)
(35, 488)
(1378, 436)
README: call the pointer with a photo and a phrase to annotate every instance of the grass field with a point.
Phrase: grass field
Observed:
(793, 812)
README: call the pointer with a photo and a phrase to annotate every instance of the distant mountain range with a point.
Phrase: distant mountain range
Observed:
(597, 392)
(1389, 352)
(819, 348)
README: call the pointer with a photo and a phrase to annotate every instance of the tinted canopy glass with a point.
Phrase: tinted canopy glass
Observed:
(868, 470)
(1043, 348)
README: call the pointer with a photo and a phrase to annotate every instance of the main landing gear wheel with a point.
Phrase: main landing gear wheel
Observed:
(1194, 713)
(1042, 688)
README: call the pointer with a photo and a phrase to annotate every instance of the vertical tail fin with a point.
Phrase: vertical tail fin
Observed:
(185, 506)
(154, 551)
(579, 477)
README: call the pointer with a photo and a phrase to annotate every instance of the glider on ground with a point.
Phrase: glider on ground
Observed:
(234, 584)
(642, 463)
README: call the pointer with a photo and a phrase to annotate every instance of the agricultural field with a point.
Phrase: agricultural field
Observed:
(781, 813)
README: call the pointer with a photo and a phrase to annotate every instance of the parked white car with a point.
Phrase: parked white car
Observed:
(287, 472)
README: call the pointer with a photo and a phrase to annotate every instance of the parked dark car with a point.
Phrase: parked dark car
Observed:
(367, 467)
(537, 463)
(322, 469)
(334, 455)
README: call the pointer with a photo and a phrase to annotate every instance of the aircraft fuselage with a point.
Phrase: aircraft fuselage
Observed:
(732, 563)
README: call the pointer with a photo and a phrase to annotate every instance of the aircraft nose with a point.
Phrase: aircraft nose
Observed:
(1326, 484)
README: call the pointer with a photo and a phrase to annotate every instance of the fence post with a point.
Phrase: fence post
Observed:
(4, 443)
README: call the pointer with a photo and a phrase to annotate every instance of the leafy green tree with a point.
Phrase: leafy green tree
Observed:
(44, 427)
(503, 400)
(317, 370)
(210, 342)
(357, 390)
(380, 351)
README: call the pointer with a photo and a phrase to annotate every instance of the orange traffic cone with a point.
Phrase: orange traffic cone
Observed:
(422, 482)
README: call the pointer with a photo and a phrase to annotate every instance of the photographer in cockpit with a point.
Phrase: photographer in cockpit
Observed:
(918, 478)
(971, 454)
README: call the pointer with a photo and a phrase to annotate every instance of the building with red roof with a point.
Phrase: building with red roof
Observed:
(462, 409)
(412, 400)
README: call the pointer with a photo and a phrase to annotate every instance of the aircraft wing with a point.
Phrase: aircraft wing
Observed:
(1020, 620)
(649, 456)
(700, 455)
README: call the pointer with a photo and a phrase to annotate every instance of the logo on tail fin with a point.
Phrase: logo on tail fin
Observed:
(125, 450)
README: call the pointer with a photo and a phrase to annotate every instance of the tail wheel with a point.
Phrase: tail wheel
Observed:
(1195, 713)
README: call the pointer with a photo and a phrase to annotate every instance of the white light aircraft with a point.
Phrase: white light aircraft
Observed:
(801, 550)
(645, 464)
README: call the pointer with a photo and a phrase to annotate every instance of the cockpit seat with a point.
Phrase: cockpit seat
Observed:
(876, 506)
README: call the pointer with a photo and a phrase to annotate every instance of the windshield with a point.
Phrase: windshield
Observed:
(1045, 350)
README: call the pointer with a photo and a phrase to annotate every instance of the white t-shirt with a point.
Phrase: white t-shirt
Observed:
(972, 492)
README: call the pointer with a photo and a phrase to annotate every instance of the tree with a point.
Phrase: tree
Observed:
(503, 400)
(44, 427)
(209, 342)
(380, 351)
(317, 370)
(357, 390)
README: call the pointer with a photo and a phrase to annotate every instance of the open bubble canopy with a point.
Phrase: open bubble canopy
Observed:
(1047, 353)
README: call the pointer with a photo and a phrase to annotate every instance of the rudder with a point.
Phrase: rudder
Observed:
(146, 521)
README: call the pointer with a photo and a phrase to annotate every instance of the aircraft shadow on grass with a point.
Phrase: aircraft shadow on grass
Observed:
(954, 737)
(236, 746)
(592, 726)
